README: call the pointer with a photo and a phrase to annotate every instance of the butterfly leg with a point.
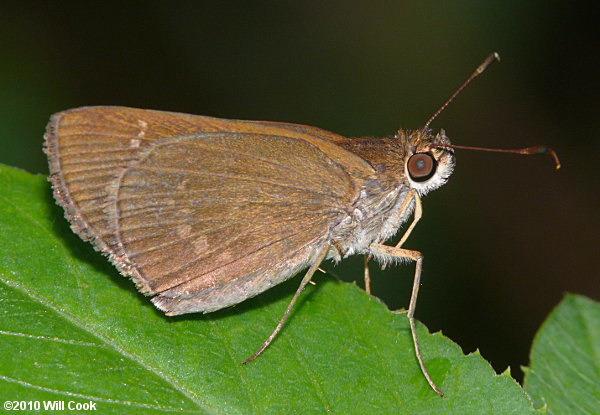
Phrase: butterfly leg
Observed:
(404, 207)
(313, 268)
(418, 258)
(412, 194)
(397, 252)
(367, 275)
(416, 217)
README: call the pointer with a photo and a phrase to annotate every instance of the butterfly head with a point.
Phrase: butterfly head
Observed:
(428, 164)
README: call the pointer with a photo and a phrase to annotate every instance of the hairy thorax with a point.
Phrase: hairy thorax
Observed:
(374, 218)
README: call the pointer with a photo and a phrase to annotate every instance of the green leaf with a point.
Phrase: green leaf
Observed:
(565, 359)
(73, 329)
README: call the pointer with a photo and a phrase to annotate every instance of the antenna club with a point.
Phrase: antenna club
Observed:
(551, 153)
(494, 57)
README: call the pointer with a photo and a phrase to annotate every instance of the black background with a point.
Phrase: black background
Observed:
(503, 240)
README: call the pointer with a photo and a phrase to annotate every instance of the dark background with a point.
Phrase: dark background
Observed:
(503, 240)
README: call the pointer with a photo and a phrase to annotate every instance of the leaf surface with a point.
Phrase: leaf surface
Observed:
(72, 328)
(565, 359)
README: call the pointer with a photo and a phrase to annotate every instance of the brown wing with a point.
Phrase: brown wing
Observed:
(201, 217)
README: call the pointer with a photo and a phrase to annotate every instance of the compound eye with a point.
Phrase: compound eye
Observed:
(421, 166)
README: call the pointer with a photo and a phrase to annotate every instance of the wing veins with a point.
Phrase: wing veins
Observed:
(231, 262)
(228, 176)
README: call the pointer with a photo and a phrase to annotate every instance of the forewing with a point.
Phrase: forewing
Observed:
(203, 218)
(212, 219)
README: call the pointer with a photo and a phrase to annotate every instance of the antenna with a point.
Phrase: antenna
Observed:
(484, 65)
(528, 151)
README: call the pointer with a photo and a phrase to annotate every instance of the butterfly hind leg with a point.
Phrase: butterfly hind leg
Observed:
(307, 278)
